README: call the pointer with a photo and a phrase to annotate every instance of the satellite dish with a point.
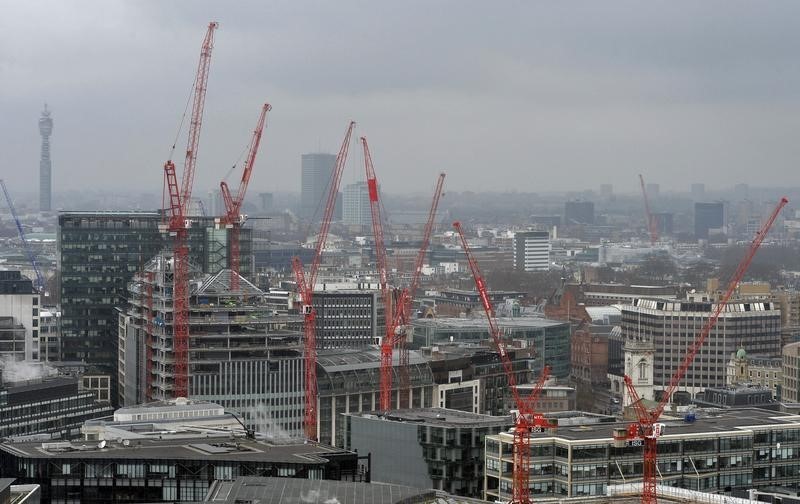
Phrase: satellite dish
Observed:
(101, 444)
(126, 442)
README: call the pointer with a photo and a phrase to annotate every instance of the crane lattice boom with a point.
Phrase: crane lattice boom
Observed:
(179, 198)
(652, 225)
(647, 428)
(233, 205)
(305, 288)
(39, 283)
(527, 420)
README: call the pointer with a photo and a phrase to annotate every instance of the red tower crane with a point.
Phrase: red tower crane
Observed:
(397, 319)
(527, 420)
(402, 317)
(178, 224)
(233, 218)
(305, 287)
(652, 225)
(647, 429)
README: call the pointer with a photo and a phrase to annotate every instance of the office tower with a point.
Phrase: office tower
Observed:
(664, 222)
(741, 191)
(672, 326)
(578, 212)
(45, 166)
(315, 174)
(698, 191)
(241, 356)
(791, 372)
(532, 250)
(19, 317)
(348, 317)
(267, 200)
(355, 205)
(708, 216)
(98, 253)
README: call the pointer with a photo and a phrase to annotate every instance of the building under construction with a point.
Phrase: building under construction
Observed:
(242, 355)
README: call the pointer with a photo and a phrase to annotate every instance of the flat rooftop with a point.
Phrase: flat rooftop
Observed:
(347, 359)
(481, 323)
(219, 449)
(280, 490)
(709, 422)
(436, 417)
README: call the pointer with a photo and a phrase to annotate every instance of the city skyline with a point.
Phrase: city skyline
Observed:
(532, 100)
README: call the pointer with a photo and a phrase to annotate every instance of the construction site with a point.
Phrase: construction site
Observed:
(330, 368)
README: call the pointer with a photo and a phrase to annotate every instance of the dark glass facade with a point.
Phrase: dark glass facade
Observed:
(98, 253)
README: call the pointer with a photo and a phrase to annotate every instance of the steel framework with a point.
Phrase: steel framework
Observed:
(233, 219)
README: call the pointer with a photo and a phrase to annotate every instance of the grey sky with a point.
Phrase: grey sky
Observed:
(525, 96)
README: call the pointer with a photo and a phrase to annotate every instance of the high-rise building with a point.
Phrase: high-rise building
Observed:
(240, 355)
(355, 205)
(791, 372)
(532, 251)
(45, 165)
(698, 191)
(349, 317)
(708, 216)
(98, 254)
(578, 212)
(664, 223)
(315, 174)
(606, 191)
(267, 200)
(671, 327)
(19, 307)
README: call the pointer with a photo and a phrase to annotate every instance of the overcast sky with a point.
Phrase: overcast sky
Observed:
(526, 96)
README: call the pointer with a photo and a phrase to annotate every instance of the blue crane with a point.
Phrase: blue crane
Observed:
(39, 283)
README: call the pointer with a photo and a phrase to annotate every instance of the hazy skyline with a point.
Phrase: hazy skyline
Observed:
(528, 96)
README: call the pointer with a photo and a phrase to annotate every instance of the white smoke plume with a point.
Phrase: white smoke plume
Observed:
(15, 371)
(316, 497)
(267, 428)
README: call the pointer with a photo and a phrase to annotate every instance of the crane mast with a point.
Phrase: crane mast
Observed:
(403, 312)
(397, 320)
(178, 224)
(305, 288)
(380, 261)
(527, 420)
(39, 283)
(647, 427)
(652, 225)
(233, 218)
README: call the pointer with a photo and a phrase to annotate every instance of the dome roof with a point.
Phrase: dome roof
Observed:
(741, 354)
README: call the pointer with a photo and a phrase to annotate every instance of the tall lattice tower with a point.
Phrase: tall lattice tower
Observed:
(45, 166)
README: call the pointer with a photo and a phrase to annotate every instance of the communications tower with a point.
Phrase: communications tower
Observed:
(45, 166)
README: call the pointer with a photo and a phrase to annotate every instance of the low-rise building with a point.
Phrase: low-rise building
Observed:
(50, 407)
(722, 451)
(756, 370)
(425, 448)
(163, 468)
(548, 339)
(348, 381)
